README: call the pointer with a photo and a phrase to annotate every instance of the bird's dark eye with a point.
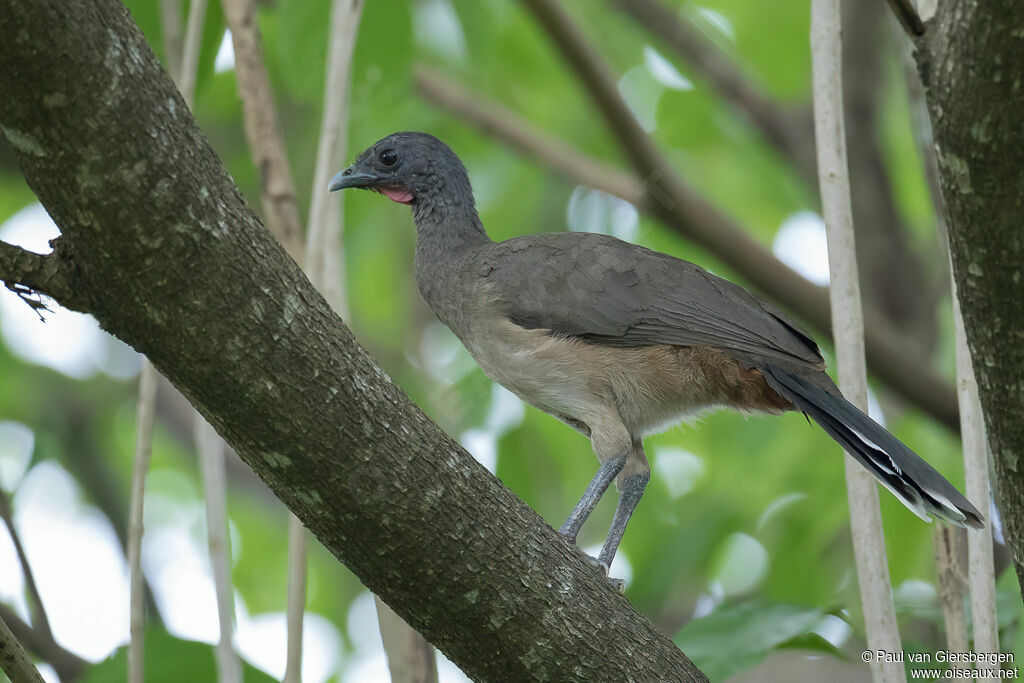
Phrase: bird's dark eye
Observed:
(388, 157)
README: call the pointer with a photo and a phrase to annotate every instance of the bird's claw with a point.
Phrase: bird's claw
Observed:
(618, 584)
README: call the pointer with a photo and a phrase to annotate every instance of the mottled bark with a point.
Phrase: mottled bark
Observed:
(159, 245)
(971, 60)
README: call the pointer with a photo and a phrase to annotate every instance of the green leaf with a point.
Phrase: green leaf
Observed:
(736, 637)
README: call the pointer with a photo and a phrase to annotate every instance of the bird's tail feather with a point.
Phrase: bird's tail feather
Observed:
(916, 483)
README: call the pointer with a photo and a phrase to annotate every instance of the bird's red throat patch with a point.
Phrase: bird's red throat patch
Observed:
(397, 194)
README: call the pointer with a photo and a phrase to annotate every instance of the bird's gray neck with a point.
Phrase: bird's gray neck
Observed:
(445, 231)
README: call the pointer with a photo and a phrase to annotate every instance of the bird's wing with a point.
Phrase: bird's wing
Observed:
(610, 292)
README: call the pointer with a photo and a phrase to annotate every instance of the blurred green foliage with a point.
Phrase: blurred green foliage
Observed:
(770, 488)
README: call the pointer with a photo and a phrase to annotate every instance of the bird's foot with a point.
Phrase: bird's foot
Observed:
(569, 536)
(618, 584)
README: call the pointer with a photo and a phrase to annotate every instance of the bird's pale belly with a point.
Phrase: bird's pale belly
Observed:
(651, 388)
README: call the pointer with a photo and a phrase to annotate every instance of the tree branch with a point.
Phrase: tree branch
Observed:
(848, 325)
(205, 292)
(14, 660)
(68, 665)
(975, 104)
(688, 213)
(785, 129)
(279, 200)
(40, 621)
(25, 272)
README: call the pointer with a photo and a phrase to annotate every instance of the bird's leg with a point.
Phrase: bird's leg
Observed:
(631, 490)
(609, 469)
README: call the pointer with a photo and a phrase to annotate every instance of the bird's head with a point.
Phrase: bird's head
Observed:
(409, 168)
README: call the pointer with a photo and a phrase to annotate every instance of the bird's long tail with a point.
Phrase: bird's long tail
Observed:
(916, 483)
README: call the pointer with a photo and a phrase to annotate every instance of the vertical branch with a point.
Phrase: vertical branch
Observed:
(848, 326)
(946, 540)
(140, 466)
(980, 564)
(296, 598)
(40, 621)
(209, 446)
(170, 25)
(410, 658)
(331, 149)
(262, 130)
(190, 52)
(37, 637)
(323, 262)
(14, 660)
(210, 450)
(147, 400)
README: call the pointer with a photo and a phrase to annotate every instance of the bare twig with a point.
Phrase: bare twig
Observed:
(324, 210)
(296, 598)
(688, 213)
(411, 659)
(280, 203)
(190, 52)
(146, 405)
(39, 619)
(848, 330)
(952, 584)
(171, 29)
(14, 660)
(322, 262)
(908, 17)
(140, 466)
(784, 128)
(980, 570)
(68, 665)
(210, 450)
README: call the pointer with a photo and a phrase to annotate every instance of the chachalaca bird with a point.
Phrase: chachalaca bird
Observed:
(619, 341)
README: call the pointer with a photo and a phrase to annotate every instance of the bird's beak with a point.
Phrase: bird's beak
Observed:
(352, 177)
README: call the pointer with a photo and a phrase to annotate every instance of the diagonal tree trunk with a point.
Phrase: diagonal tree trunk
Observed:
(159, 245)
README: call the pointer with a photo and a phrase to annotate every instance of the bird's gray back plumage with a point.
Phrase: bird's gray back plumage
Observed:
(610, 292)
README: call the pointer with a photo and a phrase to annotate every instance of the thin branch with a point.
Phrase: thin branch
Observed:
(691, 215)
(848, 325)
(171, 30)
(14, 660)
(145, 409)
(140, 466)
(209, 446)
(323, 263)
(210, 451)
(331, 149)
(411, 659)
(39, 619)
(784, 128)
(262, 130)
(908, 17)
(296, 598)
(981, 574)
(68, 665)
(190, 53)
(952, 584)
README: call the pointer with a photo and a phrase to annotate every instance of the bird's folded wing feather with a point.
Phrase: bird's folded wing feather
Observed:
(610, 292)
